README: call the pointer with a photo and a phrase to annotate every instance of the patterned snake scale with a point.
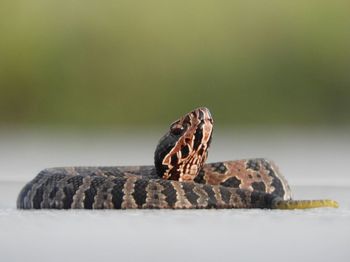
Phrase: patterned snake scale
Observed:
(180, 179)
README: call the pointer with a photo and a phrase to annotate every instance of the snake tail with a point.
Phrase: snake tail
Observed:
(304, 204)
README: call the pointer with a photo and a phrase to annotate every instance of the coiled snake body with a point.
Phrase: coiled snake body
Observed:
(180, 179)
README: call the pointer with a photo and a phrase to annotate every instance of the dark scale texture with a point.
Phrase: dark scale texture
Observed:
(165, 145)
(189, 193)
(91, 192)
(200, 177)
(174, 160)
(47, 180)
(76, 182)
(225, 194)
(244, 196)
(38, 197)
(140, 193)
(27, 191)
(169, 192)
(232, 182)
(201, 114)
(254, 164)
(69, 193)
(117, 192)
(219, 167)
(255, 198)
(276, 182)
(261, 200)
(198, 136)
(259, 186)
(174, 173)
(110, 171)
(53, 192)
(51, 183)
(185, 151)
(24, 192)
(211, 196)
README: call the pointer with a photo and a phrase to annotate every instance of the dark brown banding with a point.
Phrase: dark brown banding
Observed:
(198, 136)
(259, 186)
(90, 193)
(218, 197)
(170, 193)
(38, 196)
(174, 174)
(181, 199)
(174, 160)
(60, 196)
(78, 198)
(128, 190)
(155, 198)
(103, 198)
(190, 193)
(202, 201)
(68, 193)
(184, 151)
(117, 193)
(225, 195)
(232, 182)
(201, 114)
(140, 192)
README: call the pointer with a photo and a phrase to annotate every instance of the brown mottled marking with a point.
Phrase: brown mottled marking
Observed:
(181, 199)
(202, 200)
(103, 197)
(236, 200)
(60, 195)
(155, 198)
(78, 198)
(218, 197)
(247, 177)
(128, 190)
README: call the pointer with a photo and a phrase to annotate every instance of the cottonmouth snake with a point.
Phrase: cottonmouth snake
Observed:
(180, 179)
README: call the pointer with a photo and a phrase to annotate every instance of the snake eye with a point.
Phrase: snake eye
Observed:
(176, 130)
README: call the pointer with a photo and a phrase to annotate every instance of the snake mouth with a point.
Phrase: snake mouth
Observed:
(183, 150)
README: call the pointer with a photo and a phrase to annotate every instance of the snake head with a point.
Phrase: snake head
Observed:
(182, 151)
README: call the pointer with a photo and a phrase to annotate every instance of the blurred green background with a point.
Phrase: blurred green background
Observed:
(126, 63)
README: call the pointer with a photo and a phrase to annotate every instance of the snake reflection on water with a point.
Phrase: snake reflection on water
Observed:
(180, 179)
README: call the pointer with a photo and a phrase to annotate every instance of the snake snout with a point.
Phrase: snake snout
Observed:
(202, 113)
